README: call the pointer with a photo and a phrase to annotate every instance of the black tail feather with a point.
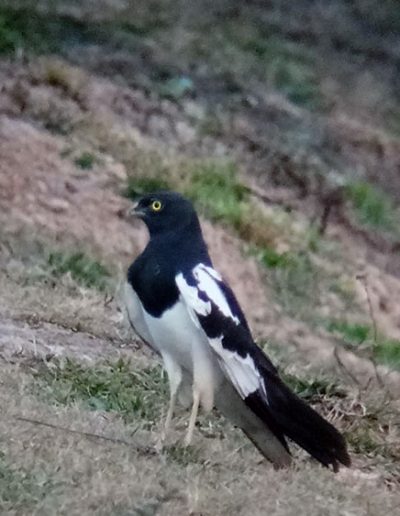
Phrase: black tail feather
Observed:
(288, 415)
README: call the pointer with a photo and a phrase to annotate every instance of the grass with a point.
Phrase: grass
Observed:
(109, 386)
(296, 81)
(353, 333)
(137, 186)
(387, 351)
(182, 455)
(364, 441)
(10, 37)
(21, 490)
(372, 206)
(32, 258)
(371, 431)
(83, 269)
(217, 192)
(296, 282)
(313, 389)
(85, 161)
(272, 259)
(31, 31)
(214, 188)
(287, 67)
(361, 336)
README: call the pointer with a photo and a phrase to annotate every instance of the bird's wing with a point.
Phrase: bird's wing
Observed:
(135, 316)
(213, 308)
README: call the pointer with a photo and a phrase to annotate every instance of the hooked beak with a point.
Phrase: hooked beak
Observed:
(136, 212)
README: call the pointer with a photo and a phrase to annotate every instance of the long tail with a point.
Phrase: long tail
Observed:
(288, 415)
(285, 415)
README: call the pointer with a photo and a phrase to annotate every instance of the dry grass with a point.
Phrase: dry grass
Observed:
(76, 474)
(47, 469)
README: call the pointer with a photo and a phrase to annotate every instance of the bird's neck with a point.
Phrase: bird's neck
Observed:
(183, 241)
(184, 229)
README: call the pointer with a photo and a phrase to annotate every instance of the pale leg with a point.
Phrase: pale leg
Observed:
(204, 383)
(193, 417)
(174, 379)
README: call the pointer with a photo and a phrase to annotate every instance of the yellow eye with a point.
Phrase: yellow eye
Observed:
(156, 205)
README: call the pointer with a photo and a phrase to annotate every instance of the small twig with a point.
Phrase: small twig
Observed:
(108, 299)
(142, 449)
(344, 368)
(364, 281)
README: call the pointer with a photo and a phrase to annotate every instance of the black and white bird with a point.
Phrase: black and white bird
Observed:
(180, 306)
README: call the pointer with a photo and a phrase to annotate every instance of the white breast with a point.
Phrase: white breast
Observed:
(176, 334)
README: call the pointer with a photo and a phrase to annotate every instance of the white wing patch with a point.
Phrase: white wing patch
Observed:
(241, 371)
(206, 277)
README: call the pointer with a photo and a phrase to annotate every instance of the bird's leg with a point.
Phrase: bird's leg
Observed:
(193, 417)
(170, 413)
(174, 378)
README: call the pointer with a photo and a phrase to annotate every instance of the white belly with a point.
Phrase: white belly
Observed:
(175, 334)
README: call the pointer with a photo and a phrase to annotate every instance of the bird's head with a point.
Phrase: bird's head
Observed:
(164, 211)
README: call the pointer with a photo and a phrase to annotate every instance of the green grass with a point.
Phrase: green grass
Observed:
(109, 386)
(137, 186)
(353, 333)
(85, 161)
(217, 192)
(212, 186)
(296, 282)
(287, 67)
(83, 269)
(35, 31)
(296, 81)
(372, 206)
(10, 37)
(272, 259)
(385, 351)
(21, 490)
(28, 29)
(313, 389)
